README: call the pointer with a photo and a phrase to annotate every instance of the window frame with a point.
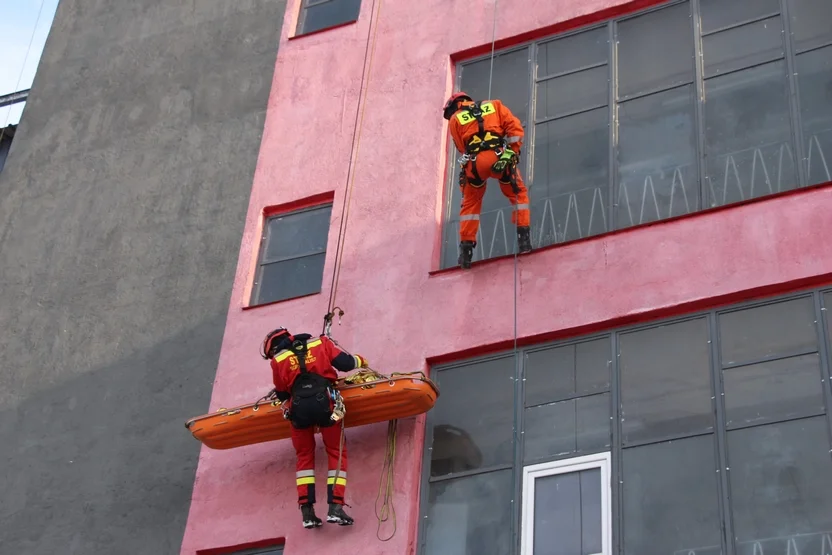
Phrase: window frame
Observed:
(304, 8)
(531, 473)
(257, 283)
(707, 198)
(820, 318)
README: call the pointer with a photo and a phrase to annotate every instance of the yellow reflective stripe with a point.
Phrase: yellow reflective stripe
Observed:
(283, 355)
(313, 343)
(304, 481)
(341, 481)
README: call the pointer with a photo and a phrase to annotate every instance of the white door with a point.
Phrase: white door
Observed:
(566, 507)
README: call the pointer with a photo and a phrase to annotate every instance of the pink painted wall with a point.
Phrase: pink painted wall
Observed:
(400, 316)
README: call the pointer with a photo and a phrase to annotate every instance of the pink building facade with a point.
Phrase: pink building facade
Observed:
(664, 195)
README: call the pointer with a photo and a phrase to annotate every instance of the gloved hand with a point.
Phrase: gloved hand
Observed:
(507, 158)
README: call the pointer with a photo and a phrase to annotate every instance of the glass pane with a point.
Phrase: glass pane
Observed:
(571, 178)
(670, 498)
(469, 515)
(827, 304)
(466, 435)
(744, 46)
(748, 134)
(770, 330)
(567, 514)
(328, 14)
(572, 93)
(576, 426)
(665, 381)
(297, 234)
(291, 278)
(781, 481)
(774, 390)
(552, 374)
(658, 174)
(512, 88)
(645, 66)
(717, 14)
(814, 70)
(575, 52)
(811, 22)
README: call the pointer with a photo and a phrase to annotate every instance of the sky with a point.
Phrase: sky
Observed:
(19, 24)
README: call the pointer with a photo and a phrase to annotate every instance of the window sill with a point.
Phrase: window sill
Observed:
(323, 30)
(271, 303)
(631, 229)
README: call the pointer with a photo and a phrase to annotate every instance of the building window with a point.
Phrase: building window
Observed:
(292, 255)
(735, 105)
(322, 14)
(567, 504)
(648, 439)
(260, 551)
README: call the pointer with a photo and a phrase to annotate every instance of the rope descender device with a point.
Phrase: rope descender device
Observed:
(328, 320)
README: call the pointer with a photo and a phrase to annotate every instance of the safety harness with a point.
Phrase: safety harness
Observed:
(483, 140)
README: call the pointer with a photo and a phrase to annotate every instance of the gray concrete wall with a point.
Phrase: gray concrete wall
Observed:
(122, 205)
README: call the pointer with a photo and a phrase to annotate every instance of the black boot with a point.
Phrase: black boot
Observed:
(310, 520)
(337, 515)
(524, 241)
(466, 253)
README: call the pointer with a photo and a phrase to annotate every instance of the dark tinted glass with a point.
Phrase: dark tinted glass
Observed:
(328, 14)
(781, 481)
(576, 426)
(645, 66)
(811, 22)
(744, 46)
(717, 14)
(765, 331)
(469, 515)
(774, 390)
(571, 179)
(568, 371)
(827, 304)
(572, 93)
(567, 514)
(465, 435)
(748, 134)
(665, 381)
(297, 234)
(571, 53)
(670, 498)
(260, 551)
(291, 278)
(658, 175)
(814, 70)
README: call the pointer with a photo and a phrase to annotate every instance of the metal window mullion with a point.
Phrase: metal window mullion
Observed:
(516, 506)
(570, 72)
(469, 473)
(757, 19)
(658, 90)
(612, 163)
(822, 327)
(721, 456)
(774, 358)
(577, 112)
(571, 397)
(531, 126)
(616, 473)
(699, 106)
(755, 65)
(813, 48)
(667, 438)
(306, 254)
(794, 96)
(748, 425)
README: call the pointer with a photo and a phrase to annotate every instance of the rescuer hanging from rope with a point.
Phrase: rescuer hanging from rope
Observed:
(489, 137)
(303, 371)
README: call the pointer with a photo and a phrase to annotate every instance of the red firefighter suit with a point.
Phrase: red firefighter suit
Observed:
(323, 357)
(481, 137)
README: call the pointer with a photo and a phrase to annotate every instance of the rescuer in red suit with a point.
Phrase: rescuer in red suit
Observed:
(489, 137)
(303, 372)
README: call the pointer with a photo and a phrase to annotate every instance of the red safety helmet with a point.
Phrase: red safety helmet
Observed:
(450, 105)
(272, 338)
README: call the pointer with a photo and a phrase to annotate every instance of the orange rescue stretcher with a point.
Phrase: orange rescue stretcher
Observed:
(369, 397)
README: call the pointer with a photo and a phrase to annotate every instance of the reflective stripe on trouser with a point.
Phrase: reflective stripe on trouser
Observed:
(304, 444)
(469, 215)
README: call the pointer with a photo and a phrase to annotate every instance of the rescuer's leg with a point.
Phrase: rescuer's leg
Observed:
(512, 186)
(336, 485)
(304, 444)
(469, 222)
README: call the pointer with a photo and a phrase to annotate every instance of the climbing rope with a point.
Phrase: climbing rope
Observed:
(358, 127)
(386, 483)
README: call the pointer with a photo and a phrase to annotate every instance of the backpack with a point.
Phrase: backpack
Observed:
(312, 395)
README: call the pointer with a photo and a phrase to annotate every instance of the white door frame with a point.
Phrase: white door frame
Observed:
(566, 466)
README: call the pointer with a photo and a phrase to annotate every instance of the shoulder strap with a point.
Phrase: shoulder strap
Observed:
(300, 352)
